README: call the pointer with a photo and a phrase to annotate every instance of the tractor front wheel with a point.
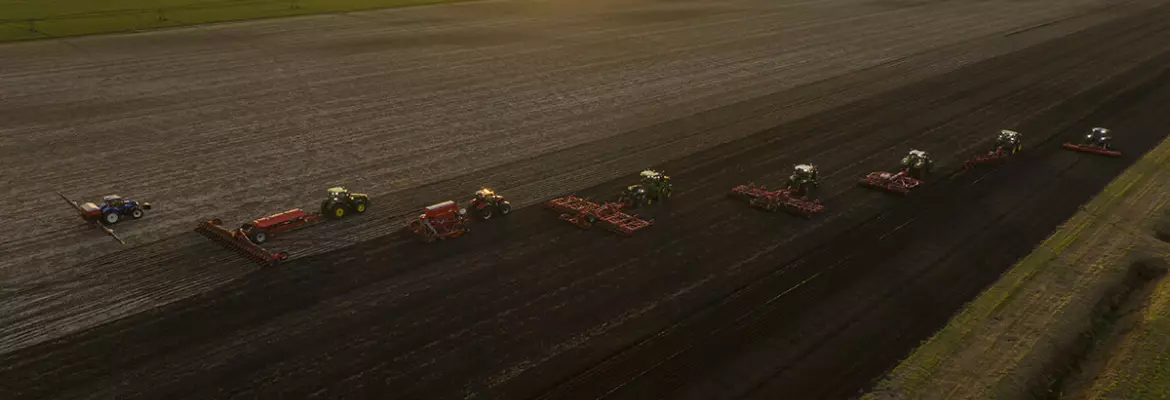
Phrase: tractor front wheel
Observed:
(360, 206)
(136, 213)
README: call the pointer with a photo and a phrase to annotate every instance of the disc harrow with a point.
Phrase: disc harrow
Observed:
(586, 214)
(899, 183)
(780, 199)
(999, 154)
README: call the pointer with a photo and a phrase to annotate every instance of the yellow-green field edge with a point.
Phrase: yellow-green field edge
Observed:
(22, 20)
(1008, 342)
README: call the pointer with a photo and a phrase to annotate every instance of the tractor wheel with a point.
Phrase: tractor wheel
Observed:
(336, 211)
(485, 213)
(360, 206)
(111, 218)
(136, 213)
(505, 208)
(259, 236)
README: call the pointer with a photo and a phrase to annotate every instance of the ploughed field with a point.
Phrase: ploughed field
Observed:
(538, 99)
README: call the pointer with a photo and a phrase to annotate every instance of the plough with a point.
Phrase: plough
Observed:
(239, 242)
(585, 214)
(899, 183)
(780, 199)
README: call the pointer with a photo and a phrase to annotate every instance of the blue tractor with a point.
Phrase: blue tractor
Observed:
(112, 209)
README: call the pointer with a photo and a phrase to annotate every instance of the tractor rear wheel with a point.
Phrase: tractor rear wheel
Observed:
(136, 213)
(111, 218)
(337, 210)
(485, 213)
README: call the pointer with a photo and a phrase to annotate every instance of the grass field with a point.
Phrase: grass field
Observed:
(1086, 315)
(37, 19)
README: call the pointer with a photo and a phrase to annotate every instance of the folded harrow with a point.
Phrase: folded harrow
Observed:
(1089, 148)
(586, 214)
(899, 183)
(780, 199)
(239, 242)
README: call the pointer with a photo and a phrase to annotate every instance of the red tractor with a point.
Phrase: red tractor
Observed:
(439, 221)
(488, 203)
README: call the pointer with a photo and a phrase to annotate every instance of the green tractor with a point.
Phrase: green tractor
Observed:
(341, 202)
(802, 180)
(655, 187)
(917, 164)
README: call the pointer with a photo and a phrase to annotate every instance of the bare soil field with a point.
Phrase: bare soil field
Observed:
(238, 121)
(1083, 315)
(537, 99)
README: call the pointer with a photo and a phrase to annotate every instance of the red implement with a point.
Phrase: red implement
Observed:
(439, 221)
(898, 183)
(992, 156)
(239, 242)
(1088, 148)
(259, 229)
(780, 199)
(586, 214)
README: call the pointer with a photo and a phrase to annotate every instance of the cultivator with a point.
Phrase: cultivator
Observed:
(780, 199)
(585, 214)
(1090, 148)
(1007, 143)
(239, 242)
(900, 183)
(1098, 141)
(996, 155)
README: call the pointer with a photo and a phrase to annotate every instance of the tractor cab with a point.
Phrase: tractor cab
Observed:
(113, 200)
(653, 176)
(338, 192)
(804, 176)
(485, 194)
(1099, 137)
(917, 163)
(916, 159)
(1007, 138)
(804, 172)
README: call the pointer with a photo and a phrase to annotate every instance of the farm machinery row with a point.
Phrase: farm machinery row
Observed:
(439, 221)
(446, 219)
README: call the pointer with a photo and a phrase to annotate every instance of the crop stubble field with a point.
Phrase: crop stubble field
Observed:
(537, 99)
